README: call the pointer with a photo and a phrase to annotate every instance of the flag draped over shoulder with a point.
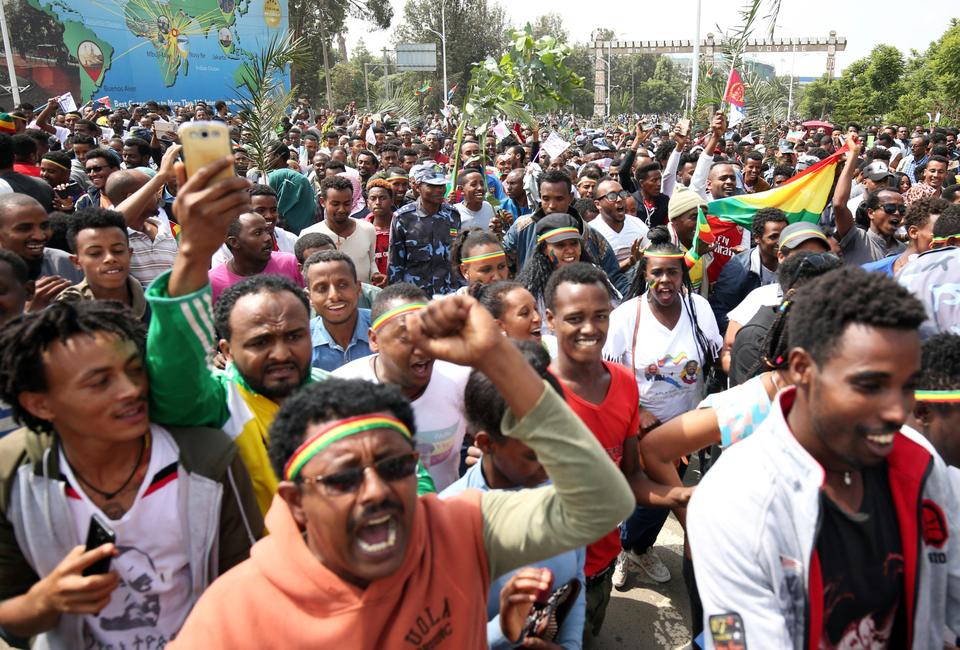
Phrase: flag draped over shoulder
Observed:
(802, 197)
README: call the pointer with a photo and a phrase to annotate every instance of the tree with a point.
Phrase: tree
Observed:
(326, 19)
(550, 24)
(475, 29)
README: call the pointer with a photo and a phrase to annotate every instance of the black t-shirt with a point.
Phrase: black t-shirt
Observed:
(747, 346)
(861, 561)
(23, 184)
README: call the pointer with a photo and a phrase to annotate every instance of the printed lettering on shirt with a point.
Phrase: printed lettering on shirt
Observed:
(431, 627)
(436, 446)
(727, 631)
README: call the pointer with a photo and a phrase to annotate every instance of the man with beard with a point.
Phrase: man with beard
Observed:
(356, 560)
(626, 234)
(844, 534)
(261, 325)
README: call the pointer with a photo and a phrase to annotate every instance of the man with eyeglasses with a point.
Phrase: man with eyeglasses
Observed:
(355, 560)
(885, 209)
(99, 165)
(620, 229)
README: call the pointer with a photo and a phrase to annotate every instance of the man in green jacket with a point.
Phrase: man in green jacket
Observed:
(261, 325)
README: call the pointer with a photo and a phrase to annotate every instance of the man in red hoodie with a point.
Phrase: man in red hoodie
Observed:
(355, 560)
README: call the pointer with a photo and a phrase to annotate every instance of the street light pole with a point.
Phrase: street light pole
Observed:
(366, 85)
(792, 66)
(695, 68)
(443, 43)
(609, 73)
(8, 54)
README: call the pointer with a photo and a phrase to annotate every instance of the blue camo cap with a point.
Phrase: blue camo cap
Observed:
(428, 173)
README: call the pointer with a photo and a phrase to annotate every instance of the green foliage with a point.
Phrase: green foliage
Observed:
(475, 29)
(262, 93)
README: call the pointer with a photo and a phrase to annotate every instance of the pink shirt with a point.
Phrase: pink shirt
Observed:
(284, 264)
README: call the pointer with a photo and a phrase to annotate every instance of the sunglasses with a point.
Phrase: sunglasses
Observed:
(349, 481)
(892, 208)
(96, 169)
(613, 196)
(818, 263)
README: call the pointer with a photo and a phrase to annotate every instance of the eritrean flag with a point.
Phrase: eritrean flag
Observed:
(802, 198)
(425, 88)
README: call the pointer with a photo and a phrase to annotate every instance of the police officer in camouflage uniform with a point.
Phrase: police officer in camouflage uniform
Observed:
(421, 235)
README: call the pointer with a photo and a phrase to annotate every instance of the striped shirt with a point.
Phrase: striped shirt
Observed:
(151, 257)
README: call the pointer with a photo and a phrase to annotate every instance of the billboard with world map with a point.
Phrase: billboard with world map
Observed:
(173, 51)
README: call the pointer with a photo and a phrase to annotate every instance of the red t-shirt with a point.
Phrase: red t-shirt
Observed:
(612, 422)
(382, 252)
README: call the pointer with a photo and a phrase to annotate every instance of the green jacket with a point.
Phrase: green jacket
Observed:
(185, 389)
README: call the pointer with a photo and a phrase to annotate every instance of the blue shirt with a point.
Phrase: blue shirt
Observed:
(883, 265)
(327, 354)
(508, 204)
(565, 567)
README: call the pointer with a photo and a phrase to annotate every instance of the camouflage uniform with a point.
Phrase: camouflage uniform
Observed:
(420, 247)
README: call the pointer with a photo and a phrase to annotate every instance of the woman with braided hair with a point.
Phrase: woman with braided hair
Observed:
(667, 335)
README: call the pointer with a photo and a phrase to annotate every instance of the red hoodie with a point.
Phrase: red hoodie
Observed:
(283, 597)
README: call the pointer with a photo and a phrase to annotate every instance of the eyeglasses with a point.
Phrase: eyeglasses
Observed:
(96, 169)
(891, 208)
(349, 481)
(613, 196)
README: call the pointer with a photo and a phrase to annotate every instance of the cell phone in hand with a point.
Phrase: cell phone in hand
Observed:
(685, 127)
(203, 143)
(67, 190)
(99, 534)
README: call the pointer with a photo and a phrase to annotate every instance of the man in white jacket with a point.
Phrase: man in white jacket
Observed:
(833, 525)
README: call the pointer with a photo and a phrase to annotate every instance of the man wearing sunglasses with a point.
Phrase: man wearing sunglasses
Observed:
(885, 208)
(621, 230)
(356, 560)
(99, 165)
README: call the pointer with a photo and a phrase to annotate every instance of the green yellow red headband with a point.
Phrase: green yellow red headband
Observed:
(398, 178)
(338, 430)
(486, 257)
(556, 231)
(938, 240)
(396, 311)
(938, 396)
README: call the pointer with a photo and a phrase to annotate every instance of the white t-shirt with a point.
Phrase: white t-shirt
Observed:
(668, 363)
(621, 242)
(479, 219)
(438, 413)
(361, 245)
(154, 596)
(769, 295)
(286, 242)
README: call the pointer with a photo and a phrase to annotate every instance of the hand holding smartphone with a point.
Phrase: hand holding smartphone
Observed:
(204, 143)
(99, 534)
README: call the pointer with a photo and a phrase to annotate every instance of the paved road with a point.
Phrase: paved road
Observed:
(653, 616)
(647, 616)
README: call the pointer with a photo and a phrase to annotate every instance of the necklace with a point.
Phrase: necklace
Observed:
(109, 496)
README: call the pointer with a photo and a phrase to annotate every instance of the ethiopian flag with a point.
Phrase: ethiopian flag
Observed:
(802, 197)
(425, 88)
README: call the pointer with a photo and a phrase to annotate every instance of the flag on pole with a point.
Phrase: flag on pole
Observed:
(452, 91)
(733, 95)
(802, 198)
(105, 101)
(425, 88)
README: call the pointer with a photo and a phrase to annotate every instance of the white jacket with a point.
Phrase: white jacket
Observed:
(753, 523)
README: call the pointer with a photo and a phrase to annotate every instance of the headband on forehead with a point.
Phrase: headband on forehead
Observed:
(387, 316)
(943, 396)
(399, 178)
(338, 430)
(945, 238)
(660, 255)
(56, 163)
(486, 257)
(556, 231)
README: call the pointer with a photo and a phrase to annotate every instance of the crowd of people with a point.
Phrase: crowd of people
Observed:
(520, 349)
